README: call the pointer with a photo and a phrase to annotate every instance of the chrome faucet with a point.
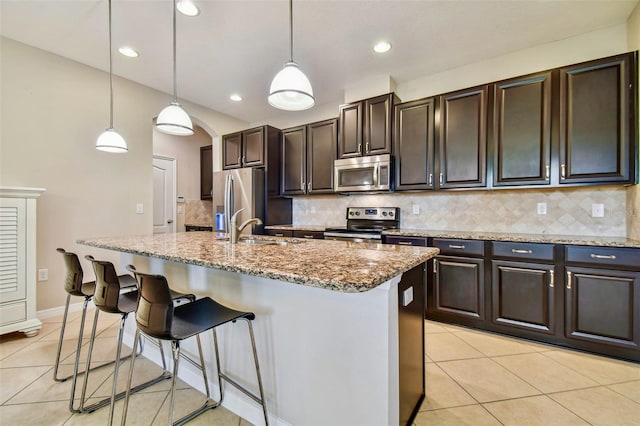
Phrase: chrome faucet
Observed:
(236, 230)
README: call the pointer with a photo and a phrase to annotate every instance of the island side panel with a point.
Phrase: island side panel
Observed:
(326, 357)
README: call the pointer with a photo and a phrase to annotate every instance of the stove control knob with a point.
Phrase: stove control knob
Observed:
(357, 213)
(391, 214)
(350, 213)
(384, 213)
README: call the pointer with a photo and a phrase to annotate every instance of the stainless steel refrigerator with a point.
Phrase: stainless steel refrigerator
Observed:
(246, 188)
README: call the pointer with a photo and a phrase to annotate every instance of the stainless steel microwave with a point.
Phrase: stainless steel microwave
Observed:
(371, 173)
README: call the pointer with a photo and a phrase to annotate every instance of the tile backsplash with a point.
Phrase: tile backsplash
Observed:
(198, 212)
(568, 210)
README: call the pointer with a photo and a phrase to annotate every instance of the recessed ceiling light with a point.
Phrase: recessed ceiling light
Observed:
(235, 97)
(186, 7)
(128, 51)
(382, 47)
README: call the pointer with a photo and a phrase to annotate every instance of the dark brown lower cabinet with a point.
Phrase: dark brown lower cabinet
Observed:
(278, 232)
(458, 287)
(603, 306)
(310, 235)
(523, 295)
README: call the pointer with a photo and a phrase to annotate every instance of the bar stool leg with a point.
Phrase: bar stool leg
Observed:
(255, 358)
(128, 392)
(215, 347)
(78, 349)
(64, 324)
(175, 351)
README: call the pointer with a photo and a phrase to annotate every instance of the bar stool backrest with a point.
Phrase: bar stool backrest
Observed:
(154, 314)
(74, 275)
(107, 292)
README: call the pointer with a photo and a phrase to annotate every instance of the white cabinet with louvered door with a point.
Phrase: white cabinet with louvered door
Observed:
(18, 260)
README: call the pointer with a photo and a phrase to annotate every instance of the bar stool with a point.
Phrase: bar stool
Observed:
(108, 298)
(74, 286)
(157, 317)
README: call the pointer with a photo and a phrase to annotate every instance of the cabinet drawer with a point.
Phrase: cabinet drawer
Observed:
(523, 250)
(13, 312)
(607, 256)
(459, 247)
(405, 241)
(278, 232)
(311, 235)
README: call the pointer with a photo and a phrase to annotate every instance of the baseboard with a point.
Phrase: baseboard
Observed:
(59, 311)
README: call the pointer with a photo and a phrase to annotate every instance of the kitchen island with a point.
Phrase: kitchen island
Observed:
(339, 325)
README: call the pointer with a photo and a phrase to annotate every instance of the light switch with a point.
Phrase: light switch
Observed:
(597, 210)
(416, 209)
(139, 208)
(541, 208)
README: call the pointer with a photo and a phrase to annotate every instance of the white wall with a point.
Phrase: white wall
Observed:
(51, 111)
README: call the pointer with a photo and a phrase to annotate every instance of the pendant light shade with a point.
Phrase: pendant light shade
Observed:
(110, 140)
(173, 120)
(290, 89)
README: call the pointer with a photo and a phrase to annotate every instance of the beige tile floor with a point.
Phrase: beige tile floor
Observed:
(473, 378)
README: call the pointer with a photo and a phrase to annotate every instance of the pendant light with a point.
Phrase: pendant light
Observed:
(290, 89)
(173, 119)
(110, 140)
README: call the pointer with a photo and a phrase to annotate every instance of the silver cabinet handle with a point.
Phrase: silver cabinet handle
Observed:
(569, 280)
(240, 160)
(359, 147)
(455, 246)
(441, 178)
(518, 251)
(309, 186)
(562, 171)
(551, 278)
(301, 186)
(547, 173)
(367, 147)
(435, 266)
(309, 237)
(277, 234)
(430, 180)
(603, 256)
(405, 243)
(244, 160)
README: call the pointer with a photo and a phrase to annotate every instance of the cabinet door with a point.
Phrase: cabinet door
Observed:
(603, 306)
(13, 266)
(459, 286)
(293, 161)
(463, 140)
(597, 106)
(232, 151)
(206, 172)
(523, 295)
(321, 151)
(350, 125)
(253, 147)
(378, 125)
(414, 144)
(522, 131)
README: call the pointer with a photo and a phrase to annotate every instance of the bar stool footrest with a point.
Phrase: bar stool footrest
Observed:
(209, 404)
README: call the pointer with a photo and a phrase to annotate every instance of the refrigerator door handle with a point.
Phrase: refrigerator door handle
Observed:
(228, 201)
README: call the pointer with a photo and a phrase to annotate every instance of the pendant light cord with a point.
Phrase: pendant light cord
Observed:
(175, 79)
(290, 30)
(110, 74)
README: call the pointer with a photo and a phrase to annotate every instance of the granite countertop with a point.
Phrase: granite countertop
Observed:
(296, 228)
(335, 265)
(530, 238)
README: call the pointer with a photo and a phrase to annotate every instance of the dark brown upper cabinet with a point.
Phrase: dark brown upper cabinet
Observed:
(247, 148)
(366, 127)
(521, 134)
(413, 144)
(463, 138)
(598, 119)
(307, 158)
(206, 172)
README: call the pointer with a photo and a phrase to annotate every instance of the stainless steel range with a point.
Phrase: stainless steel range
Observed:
(365, 224)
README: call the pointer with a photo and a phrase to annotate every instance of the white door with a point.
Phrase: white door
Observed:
(164, 195)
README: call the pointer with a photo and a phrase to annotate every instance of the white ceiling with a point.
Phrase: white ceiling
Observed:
(239, 45)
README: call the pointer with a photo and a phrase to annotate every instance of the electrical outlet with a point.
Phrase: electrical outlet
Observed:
(416, 209)
(43, 274)
(541, 208)
(597, 210)
(139, 208)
